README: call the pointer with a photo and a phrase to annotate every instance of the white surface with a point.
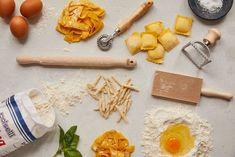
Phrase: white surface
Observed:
(219, 74)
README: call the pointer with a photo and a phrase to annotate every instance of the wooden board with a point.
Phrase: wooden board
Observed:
(177, 87)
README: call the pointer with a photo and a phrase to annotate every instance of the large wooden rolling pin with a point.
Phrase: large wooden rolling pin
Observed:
(77, 61)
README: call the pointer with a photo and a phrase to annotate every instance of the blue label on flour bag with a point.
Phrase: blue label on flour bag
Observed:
(19, 123)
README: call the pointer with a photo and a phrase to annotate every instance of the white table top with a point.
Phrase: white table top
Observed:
(43, 39)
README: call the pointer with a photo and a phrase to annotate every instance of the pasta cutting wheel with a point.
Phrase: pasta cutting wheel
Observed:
(104, 42)
(199, 52)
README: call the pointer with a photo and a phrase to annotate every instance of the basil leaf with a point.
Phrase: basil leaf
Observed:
(60, 149)
(68, 143)
(61, 136)
(74, 143)
(69, 135)
(70, 152)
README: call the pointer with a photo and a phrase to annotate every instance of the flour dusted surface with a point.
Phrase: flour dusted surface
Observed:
(157, 120)
(64, 93)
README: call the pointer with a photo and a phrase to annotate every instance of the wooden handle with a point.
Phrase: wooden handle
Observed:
(216, 94)
(76, 61)
(212, 36)
(124, 25)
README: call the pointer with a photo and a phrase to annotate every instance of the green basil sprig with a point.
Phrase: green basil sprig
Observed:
(68, 143)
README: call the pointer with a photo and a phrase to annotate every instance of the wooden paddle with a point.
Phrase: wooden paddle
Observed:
(183, 88)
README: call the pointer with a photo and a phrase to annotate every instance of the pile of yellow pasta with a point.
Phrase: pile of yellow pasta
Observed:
(80, 20)
(112, 144)
(157, 39)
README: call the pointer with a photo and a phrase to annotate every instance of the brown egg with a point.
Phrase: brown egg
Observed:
(30, 8)
(7, 8)
(19, 27)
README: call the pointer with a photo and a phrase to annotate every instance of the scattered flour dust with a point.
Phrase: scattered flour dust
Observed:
(63, 94)
(47, 15)
(157, 120)
(212, 6)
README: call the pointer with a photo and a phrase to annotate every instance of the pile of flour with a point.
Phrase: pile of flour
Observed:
(157, 121)
(211, 6)
(63, 94)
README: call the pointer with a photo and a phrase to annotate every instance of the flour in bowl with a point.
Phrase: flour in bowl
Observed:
(211, 6)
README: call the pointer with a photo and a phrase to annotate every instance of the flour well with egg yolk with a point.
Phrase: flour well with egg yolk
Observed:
(176, 132)
(177, 140)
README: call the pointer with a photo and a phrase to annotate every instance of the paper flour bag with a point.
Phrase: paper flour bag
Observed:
(24, 117)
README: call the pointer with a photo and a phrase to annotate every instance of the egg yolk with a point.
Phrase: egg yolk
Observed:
(173, 145)
(176, 140)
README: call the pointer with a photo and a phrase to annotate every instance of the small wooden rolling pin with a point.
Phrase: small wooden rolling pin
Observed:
(77, 61)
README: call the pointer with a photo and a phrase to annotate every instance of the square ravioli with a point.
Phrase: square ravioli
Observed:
(155, 27)
(149, 41)
(183, 25)
(168, 39)
(156, 55)
(134, 43)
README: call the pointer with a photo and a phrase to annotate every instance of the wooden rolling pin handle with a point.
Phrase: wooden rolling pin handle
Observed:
(212, 36)
(27, 59)
(76, 61)
(124, 25)
(216, 94)
(131, 62)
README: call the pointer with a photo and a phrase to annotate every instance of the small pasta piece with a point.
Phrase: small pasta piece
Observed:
(156, 27)
(134, 43)
(183, 25)
(157, 53)
(149, 41)
(168, 40)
